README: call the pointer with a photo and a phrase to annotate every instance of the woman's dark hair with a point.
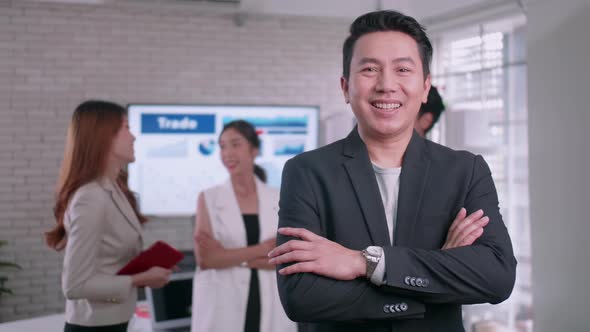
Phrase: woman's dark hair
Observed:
(387, 20)
(247, 130)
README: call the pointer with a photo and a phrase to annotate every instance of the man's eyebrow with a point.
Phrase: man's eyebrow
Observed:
(363, 61)
(404, 59)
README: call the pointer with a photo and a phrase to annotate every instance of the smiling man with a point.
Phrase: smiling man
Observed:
(384, 230)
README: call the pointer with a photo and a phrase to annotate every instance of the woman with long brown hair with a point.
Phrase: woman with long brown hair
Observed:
(98, 221)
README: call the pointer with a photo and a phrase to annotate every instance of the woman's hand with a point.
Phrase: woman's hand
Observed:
(266, 246)
(207, 241)
(260, 264)
(155, 277)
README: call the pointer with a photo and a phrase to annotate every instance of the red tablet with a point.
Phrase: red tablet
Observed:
(159, 254)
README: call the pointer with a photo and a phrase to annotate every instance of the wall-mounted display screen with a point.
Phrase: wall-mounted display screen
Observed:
(177, 151)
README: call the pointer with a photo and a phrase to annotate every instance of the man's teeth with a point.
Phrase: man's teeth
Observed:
(387, 106)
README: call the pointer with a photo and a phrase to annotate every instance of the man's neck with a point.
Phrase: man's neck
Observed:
(387, 152)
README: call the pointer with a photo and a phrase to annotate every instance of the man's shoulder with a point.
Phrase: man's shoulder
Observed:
(444, 154)
(324, 155)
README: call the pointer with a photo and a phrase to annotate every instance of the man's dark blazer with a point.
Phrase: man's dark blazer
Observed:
(333, 192)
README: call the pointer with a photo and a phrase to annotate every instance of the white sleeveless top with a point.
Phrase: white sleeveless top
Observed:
(220, 295)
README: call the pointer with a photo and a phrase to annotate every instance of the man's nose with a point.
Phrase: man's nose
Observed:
(387, 82)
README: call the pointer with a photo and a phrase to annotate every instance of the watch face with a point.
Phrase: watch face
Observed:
(374, 251)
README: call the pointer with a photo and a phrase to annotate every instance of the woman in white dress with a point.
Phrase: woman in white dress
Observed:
(235, 287)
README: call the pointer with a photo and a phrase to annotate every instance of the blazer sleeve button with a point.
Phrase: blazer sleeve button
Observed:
(403, 306)
(407, 280)
(419, 282)
(386, 308)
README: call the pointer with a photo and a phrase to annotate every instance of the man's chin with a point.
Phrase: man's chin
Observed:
(385, 131)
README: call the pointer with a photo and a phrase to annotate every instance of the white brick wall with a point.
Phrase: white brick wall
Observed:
(53, 56)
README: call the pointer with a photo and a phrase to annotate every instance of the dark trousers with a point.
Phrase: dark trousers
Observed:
(106, 328)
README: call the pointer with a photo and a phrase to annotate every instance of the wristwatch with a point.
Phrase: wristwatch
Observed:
(372, 255)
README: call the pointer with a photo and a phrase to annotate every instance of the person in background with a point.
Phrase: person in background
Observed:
(235, 287)
(98, 222)
(429, 113)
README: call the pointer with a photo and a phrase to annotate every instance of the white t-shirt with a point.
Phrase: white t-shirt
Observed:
(388, 181)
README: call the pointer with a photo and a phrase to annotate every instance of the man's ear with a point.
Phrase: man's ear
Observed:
(344, 87)
(427, 84)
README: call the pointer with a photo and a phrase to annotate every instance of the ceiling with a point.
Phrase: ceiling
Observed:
(352, 8)
(428, 12)
(420, 9)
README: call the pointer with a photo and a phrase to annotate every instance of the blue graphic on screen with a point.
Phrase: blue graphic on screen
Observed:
(289, 149)
(275, 125)
(177, 123)
(174, 150)
(207, 147)
(286, 132)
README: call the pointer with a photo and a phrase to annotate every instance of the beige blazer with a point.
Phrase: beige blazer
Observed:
(103, 234)
(220, 296)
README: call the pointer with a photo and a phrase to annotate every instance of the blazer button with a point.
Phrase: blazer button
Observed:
(397, 308)
(413, 281)
(407, 280)
(386, 308)
(403, 306)
(425, 282)
(419, 282)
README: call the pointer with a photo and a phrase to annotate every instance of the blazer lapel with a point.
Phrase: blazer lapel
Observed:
(415, 167)
(267, 211)
(362, 177)
(227, 208)
(123, 206)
